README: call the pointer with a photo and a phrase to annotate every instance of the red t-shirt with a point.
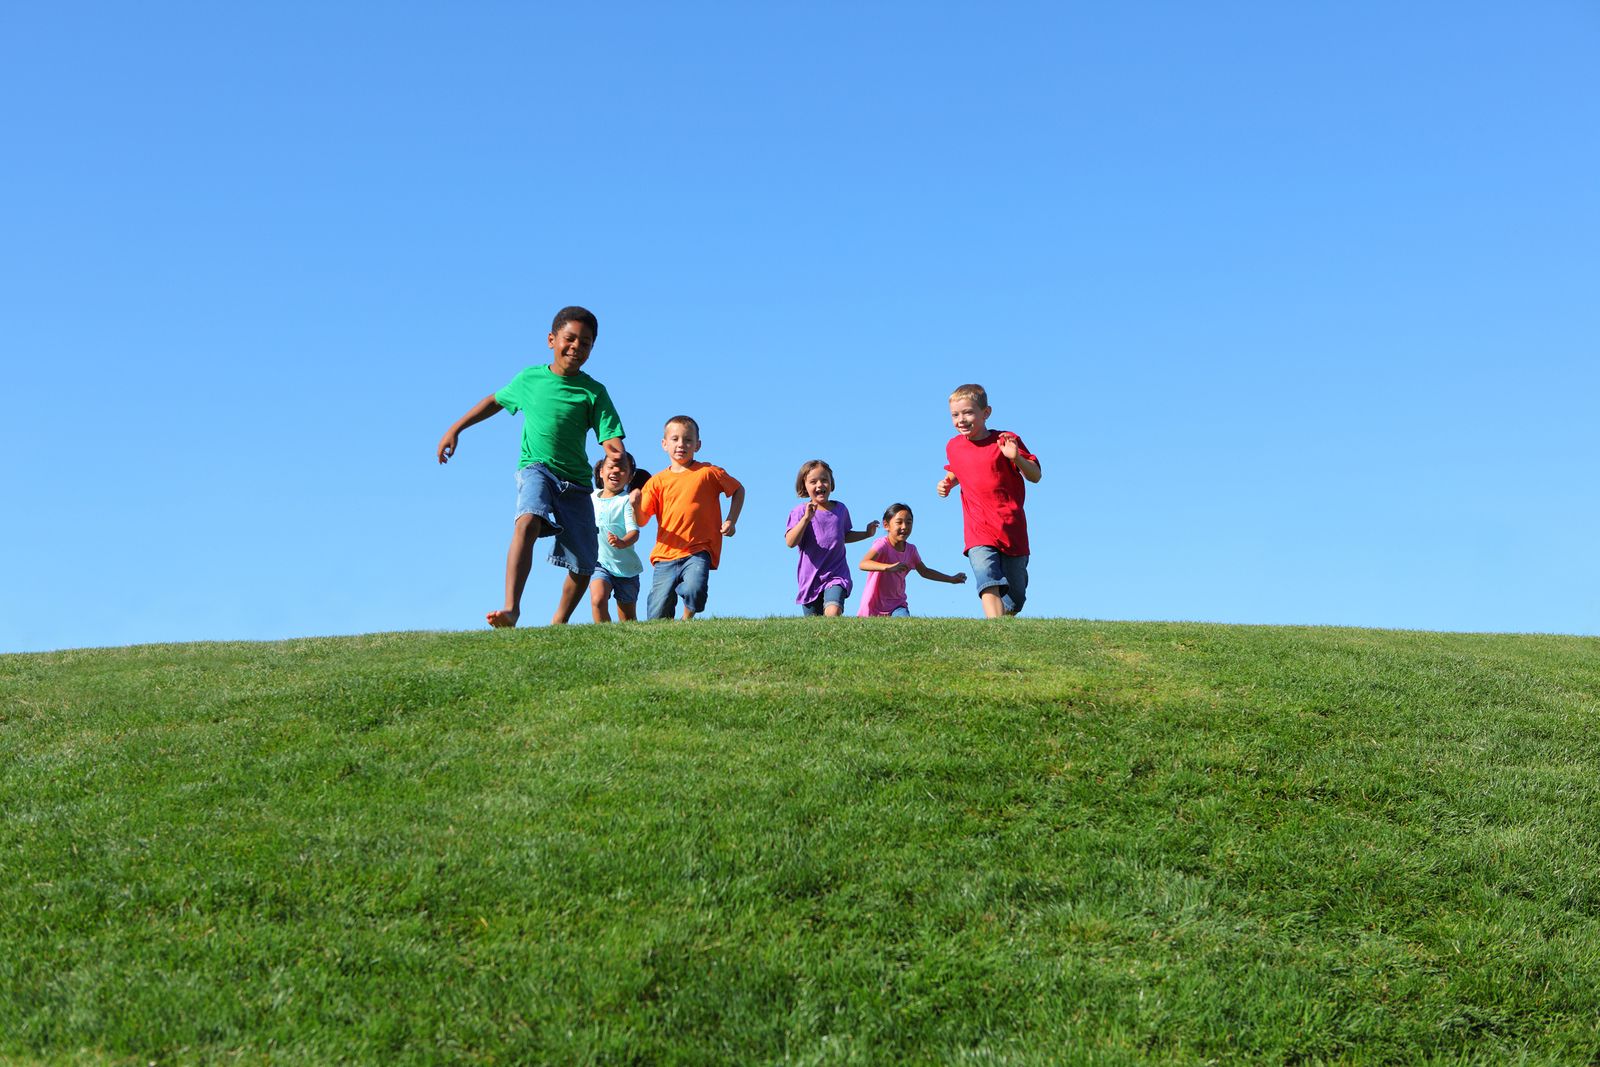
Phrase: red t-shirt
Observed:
(992, 490)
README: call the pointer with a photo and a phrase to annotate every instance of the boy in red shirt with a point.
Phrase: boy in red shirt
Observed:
(990, 466)
(686, 500)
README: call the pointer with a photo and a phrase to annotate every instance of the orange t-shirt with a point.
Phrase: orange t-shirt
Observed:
(687, 510)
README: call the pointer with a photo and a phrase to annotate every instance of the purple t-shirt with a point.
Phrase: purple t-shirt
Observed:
(884, 591)
(822, 561)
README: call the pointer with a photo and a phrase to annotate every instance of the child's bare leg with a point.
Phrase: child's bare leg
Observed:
(688, 613)
(571, 594)
(627, 612)
(599, 596)
(519, 561)
(832, 610)
(993, 606)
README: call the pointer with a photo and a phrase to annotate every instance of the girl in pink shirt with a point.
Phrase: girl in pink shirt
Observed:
(887, 562)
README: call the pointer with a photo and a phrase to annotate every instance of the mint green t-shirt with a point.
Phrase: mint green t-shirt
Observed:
(557, 414)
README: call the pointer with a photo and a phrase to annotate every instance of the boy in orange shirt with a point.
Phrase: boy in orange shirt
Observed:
(685, 499)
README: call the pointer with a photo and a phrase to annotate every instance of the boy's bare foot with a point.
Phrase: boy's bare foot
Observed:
(503, 619)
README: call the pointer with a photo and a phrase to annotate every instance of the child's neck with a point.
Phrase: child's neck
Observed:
(825, 504)
(900, 545)
(606, 492)
(979, 438)
(679, 468)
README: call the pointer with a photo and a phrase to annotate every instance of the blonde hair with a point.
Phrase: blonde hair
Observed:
(806, 468)
(976, 392)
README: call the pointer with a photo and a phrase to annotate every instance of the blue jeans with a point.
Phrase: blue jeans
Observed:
(1007, 575)
(673, 578)
(567, 512)
(626, 590)
(834, 594)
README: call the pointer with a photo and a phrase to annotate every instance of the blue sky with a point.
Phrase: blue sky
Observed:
(1295, 303)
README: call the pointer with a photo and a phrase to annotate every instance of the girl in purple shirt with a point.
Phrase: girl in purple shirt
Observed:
(887, 562)
(820, 528)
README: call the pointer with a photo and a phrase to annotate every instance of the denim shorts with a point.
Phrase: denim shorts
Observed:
(687, 577)
(834, 594)
(995, 570)
(567, 511)
(626, 589)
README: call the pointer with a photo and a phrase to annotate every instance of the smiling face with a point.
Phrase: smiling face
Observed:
(819, 484)
(898, 528)
(970, 420)
(569, 346)
(680, 442)
(614, 474)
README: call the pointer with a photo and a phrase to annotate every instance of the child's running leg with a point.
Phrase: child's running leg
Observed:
(663, 601)
(694, 581)
(599, 599)
(571, 593)
(989, 570)
(519, 561)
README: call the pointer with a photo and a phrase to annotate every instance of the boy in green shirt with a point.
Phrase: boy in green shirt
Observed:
(560, 405)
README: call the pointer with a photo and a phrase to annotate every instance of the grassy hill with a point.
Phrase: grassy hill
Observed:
(861, 841)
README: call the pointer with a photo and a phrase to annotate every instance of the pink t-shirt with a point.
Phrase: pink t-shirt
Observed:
(883, 592)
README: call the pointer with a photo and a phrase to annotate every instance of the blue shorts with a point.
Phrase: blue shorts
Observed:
(834, 594)
(687, 578)
(567, 511)
(626, 589)
(1006, 574)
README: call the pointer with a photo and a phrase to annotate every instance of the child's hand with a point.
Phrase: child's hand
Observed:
(447, 446)
(872, 527)
(727, 528)
(946, 484)
(614, 541)
(960, 579)
(811, 511)
(1008, 446)
(898, 568)
(633, 500)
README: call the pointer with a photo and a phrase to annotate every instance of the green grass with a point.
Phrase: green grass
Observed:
(798, 841)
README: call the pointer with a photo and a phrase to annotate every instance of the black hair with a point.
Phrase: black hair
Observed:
(638, 479)
(894, 509)
(582, 316)
(627, 457)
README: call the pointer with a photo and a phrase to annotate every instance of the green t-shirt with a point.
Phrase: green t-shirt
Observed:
(557, 414)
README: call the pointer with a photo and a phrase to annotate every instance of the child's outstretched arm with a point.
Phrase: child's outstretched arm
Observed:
(734, 507)
(940, 576)
(480, 411)
(862, 535)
